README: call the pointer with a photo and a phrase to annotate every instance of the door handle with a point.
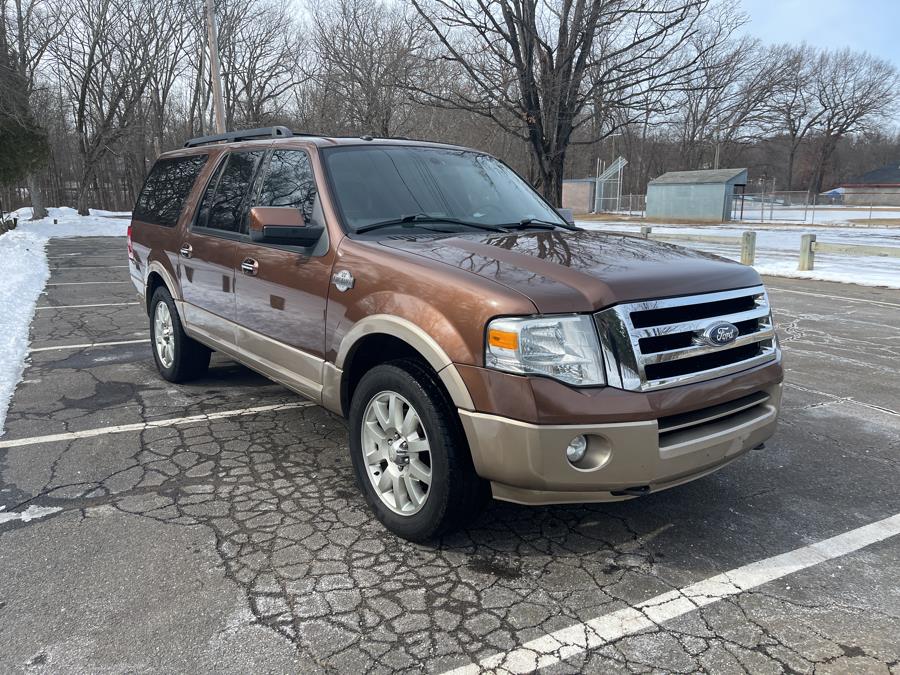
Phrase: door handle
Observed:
(187, 251)
(249, 267)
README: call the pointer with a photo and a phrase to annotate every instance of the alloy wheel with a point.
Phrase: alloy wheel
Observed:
(163, 335)
(396, 452)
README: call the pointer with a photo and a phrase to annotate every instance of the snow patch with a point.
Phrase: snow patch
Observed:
(29, 514)
(25, 272)
(70, 224)
(778, 249)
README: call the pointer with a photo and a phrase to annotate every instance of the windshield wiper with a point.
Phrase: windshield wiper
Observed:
(418, 218)
(542, 224)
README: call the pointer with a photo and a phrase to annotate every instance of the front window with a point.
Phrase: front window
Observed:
(382, 183)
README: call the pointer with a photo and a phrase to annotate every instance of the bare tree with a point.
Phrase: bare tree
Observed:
(172, 27)
(730, 105)
(27, 28)
(535, 66)
(104, 61)
(259, 44)
(854, 91)
(794, 102)
(365, 54)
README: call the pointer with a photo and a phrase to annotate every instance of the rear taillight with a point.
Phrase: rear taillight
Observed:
(130, 247)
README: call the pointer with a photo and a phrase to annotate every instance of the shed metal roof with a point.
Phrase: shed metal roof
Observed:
(693, 177)
(886, 175)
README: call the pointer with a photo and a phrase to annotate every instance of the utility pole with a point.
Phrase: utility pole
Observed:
(218, 101)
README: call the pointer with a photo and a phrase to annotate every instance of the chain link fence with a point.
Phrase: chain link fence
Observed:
(761, 207)
(626, 205)
(781, 206)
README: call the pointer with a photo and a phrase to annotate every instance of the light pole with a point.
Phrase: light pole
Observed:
(218, 102)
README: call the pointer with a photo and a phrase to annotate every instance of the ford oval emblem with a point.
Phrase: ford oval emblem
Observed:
(720, 334)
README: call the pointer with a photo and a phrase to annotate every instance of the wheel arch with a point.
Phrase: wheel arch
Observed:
(380, 338)
(158, 275)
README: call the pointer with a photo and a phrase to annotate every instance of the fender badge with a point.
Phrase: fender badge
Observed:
(343, 280)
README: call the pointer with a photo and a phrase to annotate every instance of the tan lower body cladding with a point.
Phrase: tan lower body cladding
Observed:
(526, 463)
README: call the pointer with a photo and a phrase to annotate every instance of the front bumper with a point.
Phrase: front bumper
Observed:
(526, 463)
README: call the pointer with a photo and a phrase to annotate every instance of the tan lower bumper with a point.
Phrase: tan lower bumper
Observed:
(526, 463)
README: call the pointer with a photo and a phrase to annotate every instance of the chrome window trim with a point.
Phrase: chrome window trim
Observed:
(625, 363)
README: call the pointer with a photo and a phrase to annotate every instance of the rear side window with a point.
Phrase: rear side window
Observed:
(289, 182)
(166, 189)
(223, 204)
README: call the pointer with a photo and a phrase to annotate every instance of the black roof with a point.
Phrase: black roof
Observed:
(886, 175)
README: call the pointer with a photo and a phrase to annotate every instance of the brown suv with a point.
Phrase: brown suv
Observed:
(478, 343)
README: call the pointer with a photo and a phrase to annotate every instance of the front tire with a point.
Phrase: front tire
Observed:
(410, 455)
(178, 357)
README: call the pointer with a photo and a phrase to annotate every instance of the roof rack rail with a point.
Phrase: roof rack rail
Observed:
(245, 135)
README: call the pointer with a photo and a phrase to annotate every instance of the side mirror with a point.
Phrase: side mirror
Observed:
(567, 215)
(282, 225)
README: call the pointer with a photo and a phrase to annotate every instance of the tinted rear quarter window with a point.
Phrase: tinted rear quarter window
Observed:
(166, 189)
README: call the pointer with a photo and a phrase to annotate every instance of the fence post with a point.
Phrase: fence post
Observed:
(645, 231)
(748, 248)
(807, 252)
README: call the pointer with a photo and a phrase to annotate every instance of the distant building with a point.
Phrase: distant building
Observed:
(692, 196)
(578, 194)
(880, 187)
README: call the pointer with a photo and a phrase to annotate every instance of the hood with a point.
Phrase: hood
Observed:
(562, 271)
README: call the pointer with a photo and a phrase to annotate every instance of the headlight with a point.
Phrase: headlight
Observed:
(565, 348)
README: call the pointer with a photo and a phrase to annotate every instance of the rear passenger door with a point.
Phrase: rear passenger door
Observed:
(210, 249)
(281, 290)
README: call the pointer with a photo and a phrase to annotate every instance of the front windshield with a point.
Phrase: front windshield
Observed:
(379, 183)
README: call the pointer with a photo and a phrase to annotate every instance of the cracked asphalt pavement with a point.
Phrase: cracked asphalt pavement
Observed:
(239, 543)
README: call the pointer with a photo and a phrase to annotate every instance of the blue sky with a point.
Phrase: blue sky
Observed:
(864, 25)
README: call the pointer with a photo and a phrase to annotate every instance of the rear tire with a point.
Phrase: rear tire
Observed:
(178, 357)
(404, 429)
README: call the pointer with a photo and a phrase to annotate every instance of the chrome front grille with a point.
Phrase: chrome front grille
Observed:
(656, 344)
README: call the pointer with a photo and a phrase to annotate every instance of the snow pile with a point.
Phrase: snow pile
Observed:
(25, 271)
(70, 224)
(778, 249)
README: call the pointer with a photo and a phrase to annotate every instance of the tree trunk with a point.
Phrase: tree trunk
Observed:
(818, 177)
(553, 182)
(790, 168)
(551, 170)
(36, 192)
(84, 190)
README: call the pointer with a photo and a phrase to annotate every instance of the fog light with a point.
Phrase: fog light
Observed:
(577, 448)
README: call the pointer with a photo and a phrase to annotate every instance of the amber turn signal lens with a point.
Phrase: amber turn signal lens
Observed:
(503, 339)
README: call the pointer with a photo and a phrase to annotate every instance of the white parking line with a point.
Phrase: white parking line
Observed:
(81, 283)
(31, 513)
(89, 345)
(59, 268)
(140, 426)
(832, 297)
(567, 642)
(99, 304)
(843, 399)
